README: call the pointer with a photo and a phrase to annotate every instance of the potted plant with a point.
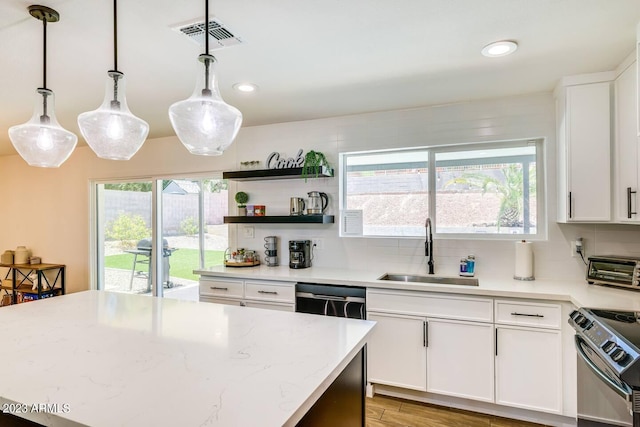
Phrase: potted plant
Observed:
(313, 163)
(241, 199)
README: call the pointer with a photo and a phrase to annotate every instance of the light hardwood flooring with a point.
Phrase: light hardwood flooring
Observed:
(385, 411)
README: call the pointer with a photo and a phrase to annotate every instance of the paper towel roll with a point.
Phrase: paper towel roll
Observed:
(524, 261)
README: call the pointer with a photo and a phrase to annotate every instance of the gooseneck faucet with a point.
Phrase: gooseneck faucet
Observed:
(428, 244)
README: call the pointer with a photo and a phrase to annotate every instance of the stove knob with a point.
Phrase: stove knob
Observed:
(579, 319)
(618, 355)
(608, 346)
(584, 322)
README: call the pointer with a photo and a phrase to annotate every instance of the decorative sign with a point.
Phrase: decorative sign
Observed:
(274, 161)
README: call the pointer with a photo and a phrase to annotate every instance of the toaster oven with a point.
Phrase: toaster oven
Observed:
(619, 271)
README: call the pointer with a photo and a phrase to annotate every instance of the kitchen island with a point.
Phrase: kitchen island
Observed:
(106, 359)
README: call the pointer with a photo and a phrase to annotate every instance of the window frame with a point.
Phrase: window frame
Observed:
(541, 200)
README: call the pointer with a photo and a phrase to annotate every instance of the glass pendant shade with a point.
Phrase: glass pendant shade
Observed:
(112, 131)
(204, 123)
(42, 141)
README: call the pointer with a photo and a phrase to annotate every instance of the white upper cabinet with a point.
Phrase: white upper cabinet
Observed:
(583, 107)
(626, 152)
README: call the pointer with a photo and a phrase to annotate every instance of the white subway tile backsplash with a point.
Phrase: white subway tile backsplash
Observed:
(527, 116)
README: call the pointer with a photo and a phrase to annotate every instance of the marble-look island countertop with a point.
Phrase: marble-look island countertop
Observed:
(578, 292)
(107, 359)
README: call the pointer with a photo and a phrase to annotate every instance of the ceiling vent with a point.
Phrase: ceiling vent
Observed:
(219, 35)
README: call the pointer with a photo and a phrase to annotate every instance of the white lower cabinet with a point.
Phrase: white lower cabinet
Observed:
(451, 345)
(528, 356)
(460, 359)
(528, 368)
(410, 348)
(248, 293)
(397, 352)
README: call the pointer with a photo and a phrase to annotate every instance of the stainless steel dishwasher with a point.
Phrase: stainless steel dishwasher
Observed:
(331, 300)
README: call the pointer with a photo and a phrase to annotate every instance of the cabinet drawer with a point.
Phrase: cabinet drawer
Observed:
(270, 291)
(528, 314)
(229, 288)
(424, 304)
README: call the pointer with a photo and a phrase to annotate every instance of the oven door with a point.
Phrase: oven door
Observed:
(603, 400)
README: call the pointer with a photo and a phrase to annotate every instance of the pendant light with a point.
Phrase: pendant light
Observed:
(112, 131)
(204, 123)
(42, 141)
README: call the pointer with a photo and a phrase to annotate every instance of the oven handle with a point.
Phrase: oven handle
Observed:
(329, 297)
(623, 390)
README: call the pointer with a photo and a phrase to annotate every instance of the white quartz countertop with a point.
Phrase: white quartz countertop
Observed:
(109, 359)
(577, 292)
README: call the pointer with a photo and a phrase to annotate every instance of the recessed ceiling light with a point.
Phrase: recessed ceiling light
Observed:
(245, 87)
(500, 48)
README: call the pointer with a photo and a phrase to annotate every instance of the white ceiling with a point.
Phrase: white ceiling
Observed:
(310, 58)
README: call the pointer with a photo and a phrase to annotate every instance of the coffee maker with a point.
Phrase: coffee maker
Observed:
(299, 253)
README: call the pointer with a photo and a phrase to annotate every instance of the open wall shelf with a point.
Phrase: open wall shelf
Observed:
(262, 174)
(282, 219)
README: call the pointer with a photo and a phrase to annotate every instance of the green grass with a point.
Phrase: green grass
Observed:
(182, 262)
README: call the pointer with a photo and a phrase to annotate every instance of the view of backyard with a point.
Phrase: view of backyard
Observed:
(127, 235)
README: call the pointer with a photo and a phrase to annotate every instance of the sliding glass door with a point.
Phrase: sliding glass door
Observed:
(189, 215)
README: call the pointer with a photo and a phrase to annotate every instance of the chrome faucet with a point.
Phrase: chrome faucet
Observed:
(428, 244)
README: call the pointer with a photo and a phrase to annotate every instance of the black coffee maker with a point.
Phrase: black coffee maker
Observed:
(299, 253)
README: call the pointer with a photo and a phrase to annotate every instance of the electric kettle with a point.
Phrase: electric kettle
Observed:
(317, 202)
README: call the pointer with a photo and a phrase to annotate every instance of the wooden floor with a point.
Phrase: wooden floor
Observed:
(385, 411)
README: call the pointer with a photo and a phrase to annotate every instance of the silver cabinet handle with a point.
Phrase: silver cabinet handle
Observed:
(216, 288)
(527, 315)
(268, 292)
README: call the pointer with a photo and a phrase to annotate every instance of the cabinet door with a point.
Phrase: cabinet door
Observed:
(396, 351)
(460, 359)
(626, 147)
(529, 368)
(586, 162)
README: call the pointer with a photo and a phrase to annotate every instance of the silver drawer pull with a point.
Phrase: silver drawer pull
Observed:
(525, 314)
(216, 288)
(268, 292)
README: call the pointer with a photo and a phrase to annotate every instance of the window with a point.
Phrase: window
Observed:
(488, 190)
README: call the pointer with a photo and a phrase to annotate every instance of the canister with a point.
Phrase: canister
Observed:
(21, 255)
(6, 257)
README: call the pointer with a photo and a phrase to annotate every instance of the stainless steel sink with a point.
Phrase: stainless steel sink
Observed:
(466, 281)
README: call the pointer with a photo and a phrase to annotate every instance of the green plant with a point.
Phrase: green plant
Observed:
(313, 162)
(128, 229)
(189, 226)
(241, 198)
(509, 187)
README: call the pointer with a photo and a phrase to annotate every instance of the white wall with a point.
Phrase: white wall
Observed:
(48, 209)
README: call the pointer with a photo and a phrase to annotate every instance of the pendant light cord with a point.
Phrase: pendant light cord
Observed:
(207, 61)
(44, 118)
(115, 35)
(44, 54)
(115, 74)
(206, 27)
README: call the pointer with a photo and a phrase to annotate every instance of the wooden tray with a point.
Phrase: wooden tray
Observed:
(241, 264)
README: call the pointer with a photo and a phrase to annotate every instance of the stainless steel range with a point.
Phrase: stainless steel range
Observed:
(608, 347)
